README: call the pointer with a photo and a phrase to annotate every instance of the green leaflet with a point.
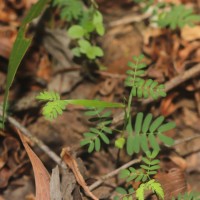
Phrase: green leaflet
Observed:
(177, 17)
(70, 9)
(147, 131)
(140, 86)
(99, 133)
(20, 47)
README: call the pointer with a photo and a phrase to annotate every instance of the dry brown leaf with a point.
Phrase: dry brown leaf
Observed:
(179, 161)
(167, 106)
(172, 182)
(42, 178)
(5, 175)
(190, 33)
(72, 164)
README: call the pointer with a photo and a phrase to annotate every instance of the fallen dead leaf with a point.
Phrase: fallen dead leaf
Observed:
(72, 164)
(173, 182)
(190, 33)
(42, 178)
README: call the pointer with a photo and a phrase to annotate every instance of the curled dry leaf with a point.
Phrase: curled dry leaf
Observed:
(42, 178)
(72, 164)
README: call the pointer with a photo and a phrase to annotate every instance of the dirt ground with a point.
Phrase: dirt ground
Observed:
(49, 65)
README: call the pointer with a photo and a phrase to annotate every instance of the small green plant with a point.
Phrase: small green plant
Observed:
(87, 23)
(69, 9)
(177, 17)
(145, 132)
(188, 196)
(100, 133)
(54, 106)
(144, 175)
(168, 15)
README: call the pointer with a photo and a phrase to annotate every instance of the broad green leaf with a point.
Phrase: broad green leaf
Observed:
(156, 123)
(166, 140)
(129, 127)
(124, 173)
(166, 127)
(129, 145)
(145, 167)
(131, 177)
(144, 142)
(94, 103)
(146, 161)
(91, 147)
(155, 167)
(136, 143)
(97, 144)
(107, 130)
(121, 190)
(89, 135)
(154, 162)
(76, 51)
(138, 122)
(146, 123)
(97, 51)
(153, 142)
(20, 47)
(104, 138)
(76, 32)
(85, 142)
(119, 143)
(85, 45)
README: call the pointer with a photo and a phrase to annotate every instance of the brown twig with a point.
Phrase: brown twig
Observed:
(129, 19)
(37, 141)
(180, 141)
(113, 173)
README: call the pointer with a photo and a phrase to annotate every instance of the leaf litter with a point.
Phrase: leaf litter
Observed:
(169, 54)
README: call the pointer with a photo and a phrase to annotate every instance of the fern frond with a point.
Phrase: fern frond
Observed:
(140, 192)
(155, 187)
(48, 96)
(148, 131)
(51, 110)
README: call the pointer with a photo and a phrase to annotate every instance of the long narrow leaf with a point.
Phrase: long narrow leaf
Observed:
(20, 48)
(94, 103)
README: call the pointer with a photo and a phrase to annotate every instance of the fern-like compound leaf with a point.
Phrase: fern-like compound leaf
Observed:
(155, 187)
(48, 96)
(178, 17)
(53, 108)
(188, 196)
(99, 133)
(147, 132)
(142, 88)
(140, 192)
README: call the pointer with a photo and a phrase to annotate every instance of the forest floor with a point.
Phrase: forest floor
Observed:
(173, 58)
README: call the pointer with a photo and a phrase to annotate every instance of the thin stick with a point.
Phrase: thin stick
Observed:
(129, 19)
(180, 141)
(176, 81)
(37, 141)
(113, 173)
